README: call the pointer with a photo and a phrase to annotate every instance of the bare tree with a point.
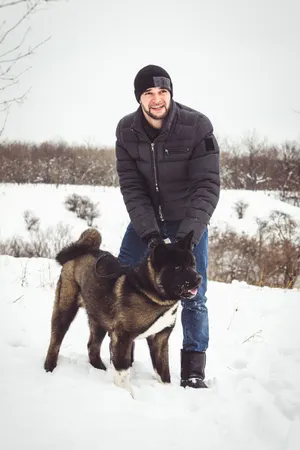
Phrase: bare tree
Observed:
(14, 30)
(231, 168)
(254, 162)
(289, 175)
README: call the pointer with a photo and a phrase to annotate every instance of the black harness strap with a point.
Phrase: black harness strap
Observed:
(109, 276)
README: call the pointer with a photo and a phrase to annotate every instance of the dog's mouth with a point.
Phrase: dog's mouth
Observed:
(189, 293)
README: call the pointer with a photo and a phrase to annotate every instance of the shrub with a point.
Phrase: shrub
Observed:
(44, 244)
(83, 207)
(32, 222)
(240, 208)
(73, 202)
(270, 258)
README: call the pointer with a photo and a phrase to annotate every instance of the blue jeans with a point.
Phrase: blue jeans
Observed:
(194, 316)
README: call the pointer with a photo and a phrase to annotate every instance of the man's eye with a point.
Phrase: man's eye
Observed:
(177, 267)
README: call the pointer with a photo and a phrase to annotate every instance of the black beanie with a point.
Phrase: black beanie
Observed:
(149, 77)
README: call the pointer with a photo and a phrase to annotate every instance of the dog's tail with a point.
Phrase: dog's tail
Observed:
(88, 242)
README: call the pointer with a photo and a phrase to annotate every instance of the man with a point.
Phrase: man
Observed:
(168, 167)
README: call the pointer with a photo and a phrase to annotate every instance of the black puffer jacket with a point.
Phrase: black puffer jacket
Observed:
(174, 178)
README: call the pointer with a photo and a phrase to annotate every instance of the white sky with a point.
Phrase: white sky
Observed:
(237, 61)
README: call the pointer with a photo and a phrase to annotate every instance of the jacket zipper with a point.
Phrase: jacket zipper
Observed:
(154, 164)
(155, 172)
(156, 182)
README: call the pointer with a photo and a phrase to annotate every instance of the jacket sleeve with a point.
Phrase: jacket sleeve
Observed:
(204, 181)
(134, 190)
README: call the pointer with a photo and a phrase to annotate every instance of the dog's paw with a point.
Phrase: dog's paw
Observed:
(160, 380)
(49, 365)
(98, 364)
(121, 379)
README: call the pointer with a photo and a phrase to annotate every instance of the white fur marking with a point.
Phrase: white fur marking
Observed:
(158, 377)
(166, 320)
(121, 379)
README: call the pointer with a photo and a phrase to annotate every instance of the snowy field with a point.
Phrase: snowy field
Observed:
(253, 366)
(47, 203)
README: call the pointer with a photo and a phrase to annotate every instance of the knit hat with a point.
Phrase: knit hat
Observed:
(149, 77)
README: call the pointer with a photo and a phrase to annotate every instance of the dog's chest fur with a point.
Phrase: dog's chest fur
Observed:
(166, 320)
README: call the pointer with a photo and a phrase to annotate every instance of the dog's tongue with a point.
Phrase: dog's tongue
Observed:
(193, 291)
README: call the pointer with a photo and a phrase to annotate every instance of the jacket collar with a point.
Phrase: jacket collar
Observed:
(137, 124)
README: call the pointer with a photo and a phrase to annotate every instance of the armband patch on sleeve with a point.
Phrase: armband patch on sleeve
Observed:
(209, 144)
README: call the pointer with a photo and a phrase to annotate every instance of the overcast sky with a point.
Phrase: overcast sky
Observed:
(237, 61)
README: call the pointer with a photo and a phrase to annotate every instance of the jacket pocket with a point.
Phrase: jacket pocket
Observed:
(175, 151)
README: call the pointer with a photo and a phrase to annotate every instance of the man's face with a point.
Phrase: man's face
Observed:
(155, 102)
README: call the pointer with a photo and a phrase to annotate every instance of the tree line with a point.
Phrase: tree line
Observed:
(57, 163)
(250, 164)
(255, 165)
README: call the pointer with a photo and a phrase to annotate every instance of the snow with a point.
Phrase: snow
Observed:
(47, 202)
(253, 362)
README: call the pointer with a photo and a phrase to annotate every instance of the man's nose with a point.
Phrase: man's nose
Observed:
(156, 98)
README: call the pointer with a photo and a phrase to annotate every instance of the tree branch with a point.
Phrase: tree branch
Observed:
(14, 100)
(16, 2)
(7, 70)
(24, 55)
(13, 78)
(7, 32)
(10, 57)
(16, 48)
(5, 120)
(252, 336)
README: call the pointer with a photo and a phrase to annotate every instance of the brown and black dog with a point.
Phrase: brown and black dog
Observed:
(127, 303)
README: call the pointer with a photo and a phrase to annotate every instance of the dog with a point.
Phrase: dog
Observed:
(127, 303)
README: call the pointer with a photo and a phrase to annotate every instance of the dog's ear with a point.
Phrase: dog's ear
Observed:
(159, 252)
(186, 242)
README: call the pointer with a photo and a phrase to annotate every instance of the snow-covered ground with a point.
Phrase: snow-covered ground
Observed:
(47, 203)
(253, 365)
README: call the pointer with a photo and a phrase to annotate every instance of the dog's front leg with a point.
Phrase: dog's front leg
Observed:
(121, 355)
(159, 351)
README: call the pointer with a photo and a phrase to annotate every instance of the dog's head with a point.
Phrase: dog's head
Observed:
(175, 269)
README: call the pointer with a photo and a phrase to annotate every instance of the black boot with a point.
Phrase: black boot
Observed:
(192, 369)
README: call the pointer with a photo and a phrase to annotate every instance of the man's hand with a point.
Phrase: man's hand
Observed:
(154, 240)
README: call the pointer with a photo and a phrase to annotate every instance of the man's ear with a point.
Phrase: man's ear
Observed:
(186, 242)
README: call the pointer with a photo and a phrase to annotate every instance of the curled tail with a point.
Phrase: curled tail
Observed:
(88, 243)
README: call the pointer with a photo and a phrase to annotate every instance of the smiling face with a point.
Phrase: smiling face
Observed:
(155, 103)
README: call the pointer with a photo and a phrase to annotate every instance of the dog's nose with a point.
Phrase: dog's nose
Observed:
(198, 279)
